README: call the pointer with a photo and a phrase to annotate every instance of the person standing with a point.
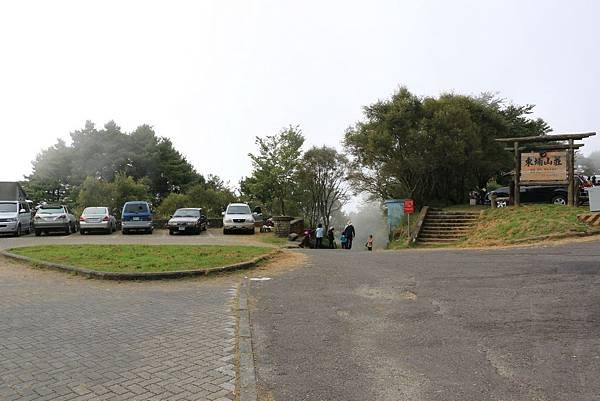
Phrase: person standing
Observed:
(319, 234)
(369, 243)
(331, 238)
(350, 233)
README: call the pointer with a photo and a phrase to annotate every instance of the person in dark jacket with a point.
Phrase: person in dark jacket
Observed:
(349, 233)
(331, 238)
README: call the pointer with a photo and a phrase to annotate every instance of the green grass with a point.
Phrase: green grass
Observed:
(504, 226)
(142, 258)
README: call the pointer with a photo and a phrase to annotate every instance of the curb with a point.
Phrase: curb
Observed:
(247, 374)
(137, 276)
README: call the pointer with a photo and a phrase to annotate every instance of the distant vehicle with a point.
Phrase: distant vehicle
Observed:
(238, 217)
(137, 216)
(97, 219)
(15, 209)
(189, 219)
(15, 218)
(54, 218)
(557, 194)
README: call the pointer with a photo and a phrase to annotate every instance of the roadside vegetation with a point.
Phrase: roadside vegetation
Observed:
(513, 225)
(505, 226)
(142, 258)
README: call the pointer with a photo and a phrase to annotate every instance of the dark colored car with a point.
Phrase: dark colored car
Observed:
(189, 219)
(557, 195)
(137, 216)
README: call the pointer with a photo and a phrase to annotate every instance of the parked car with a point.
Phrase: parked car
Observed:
(54, 218)
(189, 219)
(137, 216)
(238, 217)
(557, 194)
(15, 217)
(97, 219)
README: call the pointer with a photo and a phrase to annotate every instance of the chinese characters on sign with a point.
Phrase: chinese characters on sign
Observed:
(544, 166)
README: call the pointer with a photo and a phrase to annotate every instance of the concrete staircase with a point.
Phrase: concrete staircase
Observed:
(445, 227)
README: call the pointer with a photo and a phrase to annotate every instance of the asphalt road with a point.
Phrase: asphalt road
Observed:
(512, 324)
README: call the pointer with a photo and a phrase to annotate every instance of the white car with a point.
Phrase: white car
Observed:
(15, 218)
(238, 217)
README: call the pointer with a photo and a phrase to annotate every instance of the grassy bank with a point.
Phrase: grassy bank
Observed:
(508, 225)
(142, 258)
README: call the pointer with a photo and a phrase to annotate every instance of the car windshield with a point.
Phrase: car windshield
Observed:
(238, 209)
(51, 210)
(8, 207)
(136, 208)
(187, 213)
(95, 210)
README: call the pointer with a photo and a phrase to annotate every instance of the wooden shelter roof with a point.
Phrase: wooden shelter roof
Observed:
(549, 137)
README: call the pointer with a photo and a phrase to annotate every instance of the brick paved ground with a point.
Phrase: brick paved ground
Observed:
(68, 338)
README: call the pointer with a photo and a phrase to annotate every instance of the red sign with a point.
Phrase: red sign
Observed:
(409, 206)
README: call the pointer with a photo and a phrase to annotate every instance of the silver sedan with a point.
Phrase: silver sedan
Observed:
(97, 219)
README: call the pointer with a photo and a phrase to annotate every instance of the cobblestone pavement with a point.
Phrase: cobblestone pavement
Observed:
(68, 338)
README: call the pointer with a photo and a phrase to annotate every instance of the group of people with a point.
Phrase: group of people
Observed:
(348, 235)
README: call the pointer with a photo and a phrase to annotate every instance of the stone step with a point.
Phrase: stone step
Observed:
(438, 240)
(444, 232)
(435, 224)
(442, 235)
(444, 217)
(452, 214)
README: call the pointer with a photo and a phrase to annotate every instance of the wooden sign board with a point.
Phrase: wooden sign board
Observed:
(543, 166)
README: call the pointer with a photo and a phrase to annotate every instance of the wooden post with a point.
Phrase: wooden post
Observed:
(571, 174)
(517, 190)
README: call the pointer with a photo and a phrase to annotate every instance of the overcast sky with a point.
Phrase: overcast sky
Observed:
(212, 75)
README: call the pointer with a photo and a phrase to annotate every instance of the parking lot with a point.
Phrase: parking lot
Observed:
(212, 236)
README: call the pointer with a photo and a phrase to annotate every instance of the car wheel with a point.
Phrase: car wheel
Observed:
(82, 232)
(171, 232)
(225, 232)
(68, 229)
(18, 232)
(38, 232)
(125, 232)
(253, 231)
(559, 200)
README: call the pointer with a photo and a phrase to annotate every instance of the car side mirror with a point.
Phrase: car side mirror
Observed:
(222, 213)
(22, 211)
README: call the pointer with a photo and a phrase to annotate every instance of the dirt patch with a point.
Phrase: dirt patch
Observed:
(280, 263)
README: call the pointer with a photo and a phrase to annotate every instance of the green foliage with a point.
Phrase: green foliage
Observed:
(59, 171)
(171, 203)
(434, 149)
(107, 167)
(98, 192)
(275, 168)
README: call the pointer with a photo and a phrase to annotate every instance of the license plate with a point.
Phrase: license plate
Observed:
(181, 228)
(136, 219)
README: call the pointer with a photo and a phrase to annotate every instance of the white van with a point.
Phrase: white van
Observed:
(238, 217)
(15, 217)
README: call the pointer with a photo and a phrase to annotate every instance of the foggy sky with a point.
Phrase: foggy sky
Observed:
(212, 75)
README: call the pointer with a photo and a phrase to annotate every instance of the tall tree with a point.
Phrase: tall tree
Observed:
(274, 169)
(322, 179)
(434, 150)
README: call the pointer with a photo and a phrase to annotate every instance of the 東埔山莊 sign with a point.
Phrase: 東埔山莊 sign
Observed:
(544, 166)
